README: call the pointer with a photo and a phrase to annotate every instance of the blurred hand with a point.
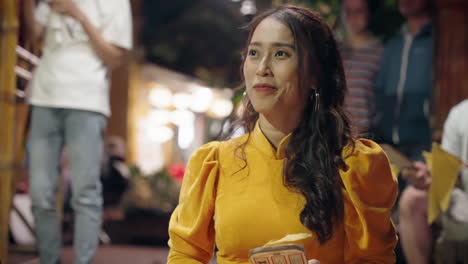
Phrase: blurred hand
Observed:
(313, 261)
(66, 7)
(418, 175)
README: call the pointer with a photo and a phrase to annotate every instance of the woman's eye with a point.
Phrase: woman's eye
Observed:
(281, 53)
(252, 52)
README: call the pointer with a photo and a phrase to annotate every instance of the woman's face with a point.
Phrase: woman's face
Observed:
(271, 69)
(356, 15)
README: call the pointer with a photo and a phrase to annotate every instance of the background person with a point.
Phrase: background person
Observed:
(82, 41)
(362, 54)
(416, 235)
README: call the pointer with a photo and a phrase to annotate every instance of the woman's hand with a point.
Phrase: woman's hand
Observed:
(313, 261)
(419, 175)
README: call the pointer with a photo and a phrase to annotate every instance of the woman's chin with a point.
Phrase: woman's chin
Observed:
(264, 109)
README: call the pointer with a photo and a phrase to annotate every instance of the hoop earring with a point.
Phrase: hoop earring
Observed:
(315, 98)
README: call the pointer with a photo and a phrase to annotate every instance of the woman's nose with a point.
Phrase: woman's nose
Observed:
(264, 68)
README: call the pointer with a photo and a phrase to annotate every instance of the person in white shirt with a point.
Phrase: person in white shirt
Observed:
(416, 236)
(69, 94)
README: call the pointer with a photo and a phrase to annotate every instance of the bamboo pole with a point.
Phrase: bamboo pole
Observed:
(8, 42)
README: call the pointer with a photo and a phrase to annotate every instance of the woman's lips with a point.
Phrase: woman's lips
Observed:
(264, 87)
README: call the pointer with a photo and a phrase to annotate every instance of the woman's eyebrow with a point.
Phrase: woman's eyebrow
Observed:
(282, 44)
(255, 44)
(275, 44)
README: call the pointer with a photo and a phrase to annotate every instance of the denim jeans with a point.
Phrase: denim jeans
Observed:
(81, 132)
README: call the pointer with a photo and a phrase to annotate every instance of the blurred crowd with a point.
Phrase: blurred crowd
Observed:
(388, 100)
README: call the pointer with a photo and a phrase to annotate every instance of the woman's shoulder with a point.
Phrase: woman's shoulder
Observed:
(206, 153)
(376, 43)
(212, 150)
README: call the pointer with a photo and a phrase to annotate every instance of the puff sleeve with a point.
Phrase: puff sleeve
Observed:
(370, 192)
(191, 228)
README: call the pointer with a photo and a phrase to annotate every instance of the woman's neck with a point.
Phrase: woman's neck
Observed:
(359, 39)
(275, 129)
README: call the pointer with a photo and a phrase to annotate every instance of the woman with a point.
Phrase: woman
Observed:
(361, 56)
(297, 170)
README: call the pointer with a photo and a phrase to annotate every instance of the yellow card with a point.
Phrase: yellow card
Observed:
(444, 170)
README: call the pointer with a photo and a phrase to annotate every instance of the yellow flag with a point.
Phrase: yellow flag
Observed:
(428, 157)
(433, 205)
(395, 170)
(444, 170)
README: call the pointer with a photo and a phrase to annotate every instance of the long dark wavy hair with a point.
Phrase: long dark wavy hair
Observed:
(314, 152)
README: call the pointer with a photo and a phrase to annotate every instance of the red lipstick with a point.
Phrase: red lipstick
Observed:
(264, 87)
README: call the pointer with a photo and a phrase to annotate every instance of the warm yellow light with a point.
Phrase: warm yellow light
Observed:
(182, 117)
(182, 100)
(159, 117)
(221, 108)
(160, 96)
(201, 100)
(160, 134)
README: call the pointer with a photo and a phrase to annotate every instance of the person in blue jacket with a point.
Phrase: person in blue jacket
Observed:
(404, 83)
(403, 92)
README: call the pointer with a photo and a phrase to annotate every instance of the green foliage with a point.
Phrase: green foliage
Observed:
(157, 191)
(385, 20)
(199, 38)
(203, 38)
(330, 10)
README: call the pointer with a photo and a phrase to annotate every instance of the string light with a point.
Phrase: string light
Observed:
(160, 96)
(248, 8)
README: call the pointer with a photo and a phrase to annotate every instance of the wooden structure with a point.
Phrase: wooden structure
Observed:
(451, 87)
(124, 86)
(451, 57)
(15, 65)
(8, 43)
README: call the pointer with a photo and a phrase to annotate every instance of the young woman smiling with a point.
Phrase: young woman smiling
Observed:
(297, 169)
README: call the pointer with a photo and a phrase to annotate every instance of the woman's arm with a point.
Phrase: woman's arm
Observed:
(34, 29)
(369, 194)
(191, 229)
(110, 54)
